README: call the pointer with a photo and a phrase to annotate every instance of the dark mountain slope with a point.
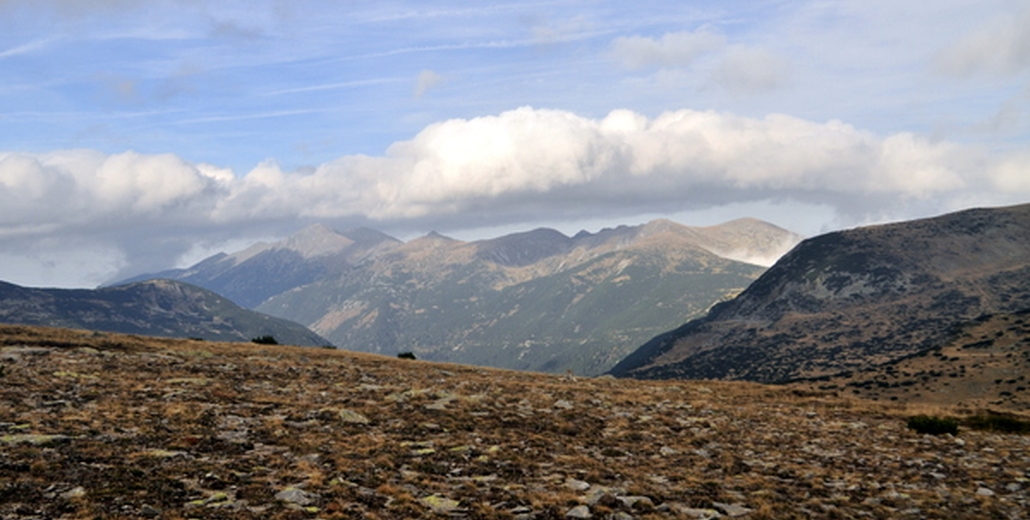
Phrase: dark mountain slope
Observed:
(853, 299)
(155, 308)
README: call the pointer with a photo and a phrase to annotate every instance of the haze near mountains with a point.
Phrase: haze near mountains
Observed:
(851, 300)
(538, 300)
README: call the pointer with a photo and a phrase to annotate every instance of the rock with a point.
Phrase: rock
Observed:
(293, 495)
(731, 510)
(667, 451)
(579, 512)
(75, 492)
(637, 502)
(440, 504)
(32, 438)
(984, 492)
(352, 417)
(577, 485)
(563, 404)
(698, 514)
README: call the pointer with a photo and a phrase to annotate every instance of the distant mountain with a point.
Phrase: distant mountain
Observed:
(850, 300)
(261, 271)
(154, 308)
(537, 300)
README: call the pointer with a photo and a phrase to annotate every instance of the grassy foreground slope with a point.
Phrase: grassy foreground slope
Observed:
(110, 426)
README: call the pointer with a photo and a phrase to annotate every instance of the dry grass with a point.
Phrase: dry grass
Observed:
(109, 426)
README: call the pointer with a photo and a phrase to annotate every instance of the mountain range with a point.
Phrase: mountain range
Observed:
(154, 308)
(538, 300)
(846, 301)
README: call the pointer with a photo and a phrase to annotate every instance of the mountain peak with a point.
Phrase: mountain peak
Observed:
(315, 240)
(519, 249)
(433, 235)
(368, 237)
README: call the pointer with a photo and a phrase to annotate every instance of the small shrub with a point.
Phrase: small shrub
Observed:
(265, 340)
(406, 355)
(933, 425)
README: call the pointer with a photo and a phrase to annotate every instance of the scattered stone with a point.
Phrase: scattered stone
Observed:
(731, 510)
(32, 438)
(562, 404)
(640, 503)
(577, 485)
(579, 512)
(352, 417)
(294, 495)
(440, 504)
(75, 492)
(984, 492)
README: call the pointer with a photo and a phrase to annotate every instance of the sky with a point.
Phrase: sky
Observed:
(137, 136)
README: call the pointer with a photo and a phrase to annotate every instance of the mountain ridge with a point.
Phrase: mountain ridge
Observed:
(534, 300)
(155, 307)
(843, 300)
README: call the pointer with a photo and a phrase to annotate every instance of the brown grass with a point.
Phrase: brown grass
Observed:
(156, 428)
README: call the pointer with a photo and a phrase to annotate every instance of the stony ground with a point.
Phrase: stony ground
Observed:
(107, 426)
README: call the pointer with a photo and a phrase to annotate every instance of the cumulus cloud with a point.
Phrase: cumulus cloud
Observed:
(517, 166)
(1000, 47)
(671, 50)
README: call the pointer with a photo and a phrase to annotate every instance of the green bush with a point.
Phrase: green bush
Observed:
(265, 340)
(406, 355)
(933, 425)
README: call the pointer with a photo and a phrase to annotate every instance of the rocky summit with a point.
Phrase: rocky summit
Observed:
(850, 300)
(108, 426)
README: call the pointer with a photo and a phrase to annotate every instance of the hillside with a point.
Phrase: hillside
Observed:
(155, 308)
(537, 300)
(851, 300)
(985, 365)
(108, 426)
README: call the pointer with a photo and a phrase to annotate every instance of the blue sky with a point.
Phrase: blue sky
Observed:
(136, 136)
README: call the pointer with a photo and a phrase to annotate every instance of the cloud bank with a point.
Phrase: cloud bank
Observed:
(523, 165)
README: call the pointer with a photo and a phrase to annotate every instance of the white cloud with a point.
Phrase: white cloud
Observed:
(524, 164)
(746, 70)
(426, 80)
(671, 50)
(999, 47)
